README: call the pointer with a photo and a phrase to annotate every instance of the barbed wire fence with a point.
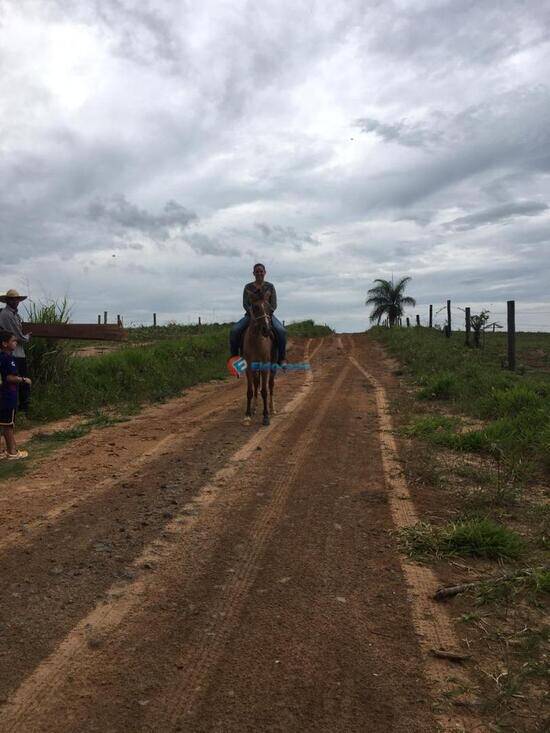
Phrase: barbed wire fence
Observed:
(455, 316)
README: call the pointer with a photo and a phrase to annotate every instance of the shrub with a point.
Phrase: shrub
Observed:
(48, 359)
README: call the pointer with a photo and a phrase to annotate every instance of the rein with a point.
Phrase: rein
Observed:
(263, 317)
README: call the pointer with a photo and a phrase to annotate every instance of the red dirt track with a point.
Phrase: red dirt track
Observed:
(230, 579)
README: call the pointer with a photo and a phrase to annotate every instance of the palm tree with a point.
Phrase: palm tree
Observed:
(388, 300)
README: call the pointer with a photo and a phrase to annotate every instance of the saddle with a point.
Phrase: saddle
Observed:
(273, 334)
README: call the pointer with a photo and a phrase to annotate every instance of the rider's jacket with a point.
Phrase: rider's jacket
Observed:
(265, 288)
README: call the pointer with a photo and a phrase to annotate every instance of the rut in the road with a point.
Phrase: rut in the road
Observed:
(205, 651)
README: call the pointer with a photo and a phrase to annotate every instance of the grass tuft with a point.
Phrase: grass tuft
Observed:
(439, 387)
(474, 537)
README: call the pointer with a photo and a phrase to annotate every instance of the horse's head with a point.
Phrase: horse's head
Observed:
(259, 313)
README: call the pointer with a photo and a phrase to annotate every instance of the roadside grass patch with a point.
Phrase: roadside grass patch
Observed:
(515, 404)
(532, 584)
(478, 537)
(437, 429)
(166, 360)
(131, 376)
(439, 387)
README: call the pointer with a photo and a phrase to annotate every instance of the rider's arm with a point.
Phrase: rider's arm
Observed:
(246, 299)
(273, 299)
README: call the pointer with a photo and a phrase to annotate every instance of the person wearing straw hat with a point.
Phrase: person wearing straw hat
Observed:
(10, 321)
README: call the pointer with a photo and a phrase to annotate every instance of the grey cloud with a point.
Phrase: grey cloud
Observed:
(422, 218)
(119, 211)
(279, 234)
(503, 212)
(402, 132)
(447, 34)
(205, 245)
(508, 131)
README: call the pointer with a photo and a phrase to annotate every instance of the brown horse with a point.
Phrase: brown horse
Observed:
(259, 348)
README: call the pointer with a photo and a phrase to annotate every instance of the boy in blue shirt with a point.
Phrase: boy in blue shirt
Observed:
(9, 381)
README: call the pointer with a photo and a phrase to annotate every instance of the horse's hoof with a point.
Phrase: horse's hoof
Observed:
(247, 421)
(266, 420)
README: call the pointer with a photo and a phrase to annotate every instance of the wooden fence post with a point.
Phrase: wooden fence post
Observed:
(199, 324)
(448, 329)
(431, 315)
(154, 320)
(417, 320)
(408, 322)
(511, 334)
(468, 325)
(105, 317)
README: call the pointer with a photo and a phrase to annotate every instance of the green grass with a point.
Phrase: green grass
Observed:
(308, 329)
(131, 376)
(177, 358)
(515, 406)
(477, 537)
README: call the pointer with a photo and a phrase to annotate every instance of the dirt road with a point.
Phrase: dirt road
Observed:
(183, 572)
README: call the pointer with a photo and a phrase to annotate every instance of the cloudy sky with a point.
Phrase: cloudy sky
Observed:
(152, 150)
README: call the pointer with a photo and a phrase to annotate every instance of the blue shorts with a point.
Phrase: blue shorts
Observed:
(7, 417)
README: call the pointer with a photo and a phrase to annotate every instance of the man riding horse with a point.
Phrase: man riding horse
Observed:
(260, 287)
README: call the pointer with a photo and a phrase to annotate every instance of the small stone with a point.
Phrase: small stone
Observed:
(94, 642)
(284, 580)
(341, 599)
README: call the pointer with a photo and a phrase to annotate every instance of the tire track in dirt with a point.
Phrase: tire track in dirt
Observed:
(433, 624)
(32, 697)
(24, 536)
(204, 655)
(325, 642)
(44, 484)
(22, 492)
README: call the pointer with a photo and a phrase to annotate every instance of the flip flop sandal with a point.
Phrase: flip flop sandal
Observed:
(17, 456)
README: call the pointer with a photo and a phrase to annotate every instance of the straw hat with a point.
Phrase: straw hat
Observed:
(12, 294)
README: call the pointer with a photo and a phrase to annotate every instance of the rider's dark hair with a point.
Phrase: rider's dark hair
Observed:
(258, 264)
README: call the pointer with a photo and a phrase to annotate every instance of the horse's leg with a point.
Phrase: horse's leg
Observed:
(264, 397)
(256, 387)
(249, 393)
(271, 390)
